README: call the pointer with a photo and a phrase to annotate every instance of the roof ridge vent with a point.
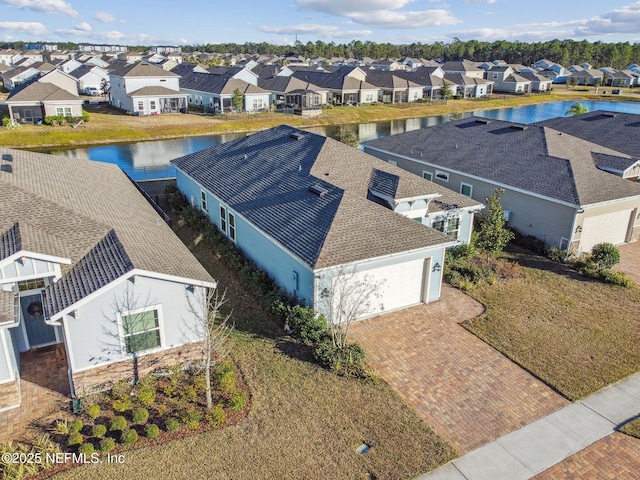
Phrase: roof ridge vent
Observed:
(318, 190)
(296, 135)
(483, 120)
(609, 114)
(519, 127)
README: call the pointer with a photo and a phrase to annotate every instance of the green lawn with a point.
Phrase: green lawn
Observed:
(576, 334)
(304, 423)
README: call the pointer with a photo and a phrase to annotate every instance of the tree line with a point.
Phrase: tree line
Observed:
(565, 52)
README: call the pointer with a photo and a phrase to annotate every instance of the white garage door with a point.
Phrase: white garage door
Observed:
(610, 228)
(402, 284)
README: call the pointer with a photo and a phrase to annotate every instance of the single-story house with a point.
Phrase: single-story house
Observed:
(87, 264)
(556, 188)
(31, 104)
(308, 209)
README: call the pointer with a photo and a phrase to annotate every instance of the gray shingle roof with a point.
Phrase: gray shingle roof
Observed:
(532, 158)
(41, 92)
(266, 177)
(617, 131)
(23, 236)
(154, 91)
(82, 202)
(140, 69)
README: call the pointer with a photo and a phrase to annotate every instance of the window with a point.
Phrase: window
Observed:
(223, 219)
(203, 200)
(442, 175)
(141, 330)
(232, 226)
(63, 111)
(368, 97)
(36, 284)
(466, 189)
(152, 104)
(438, 225)
(495, 75)
(140, 105)
(453, 226)
(257, 104)
(427, 175)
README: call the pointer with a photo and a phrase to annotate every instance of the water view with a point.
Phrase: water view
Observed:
(150, 159)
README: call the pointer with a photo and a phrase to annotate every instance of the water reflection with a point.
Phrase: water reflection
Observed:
(150, 159)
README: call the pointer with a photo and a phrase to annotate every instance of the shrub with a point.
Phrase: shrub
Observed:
(93, 411)
(225, 376)
(461, 252)
(557, 255)
(146, 390)
(107, 444)
(128, 437)
(74, 438)
(120, 389)
(99, 430)
(86, 448)
(605, 256)
(215, 416)
(76, 425)
(505, 269)
(122, 404)
(237, 400)
(140, 415)
(117, 423)
(189, 393)
(151, 431)
(191, 418)
(306, 323)
(616, 278)
(172, 424)
(328, 355)
(61, 427)
(6, 121)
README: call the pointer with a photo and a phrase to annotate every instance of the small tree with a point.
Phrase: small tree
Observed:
(347, 136)
(238, 100)
(104, 87)
(211, 328)
(345, 297)
(577, 109)
(493, 235)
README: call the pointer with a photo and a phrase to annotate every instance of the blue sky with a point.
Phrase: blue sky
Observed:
(143, 22)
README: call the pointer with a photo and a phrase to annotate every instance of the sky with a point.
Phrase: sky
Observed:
(281, 22)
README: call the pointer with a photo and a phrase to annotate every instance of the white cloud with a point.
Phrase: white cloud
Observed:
(44, 6)
(480, 1)
(107, 18)
(34, 28)
(325, 31)
(381, 13)
(80, 30)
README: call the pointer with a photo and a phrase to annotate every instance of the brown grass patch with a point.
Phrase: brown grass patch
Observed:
(575, 334)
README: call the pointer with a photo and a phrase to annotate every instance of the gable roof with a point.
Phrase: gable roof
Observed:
(531, 158)
(270, 178)
(41, 92)
(98, 213)
(141, 69)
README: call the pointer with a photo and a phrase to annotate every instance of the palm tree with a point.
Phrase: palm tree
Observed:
(577, 109)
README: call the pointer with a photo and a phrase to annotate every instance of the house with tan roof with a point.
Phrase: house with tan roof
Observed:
(31, 104)
(307, 209)
(88, 266)
(566, 188)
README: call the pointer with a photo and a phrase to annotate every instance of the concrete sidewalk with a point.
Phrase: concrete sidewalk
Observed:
(524, 453)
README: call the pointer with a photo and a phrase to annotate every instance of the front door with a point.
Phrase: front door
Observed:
(38, 332)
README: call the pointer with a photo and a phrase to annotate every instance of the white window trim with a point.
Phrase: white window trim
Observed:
(440, 175)
(427, 172)
(123, 346)
(224, 218)
(462, 185)
(233, 228)
(204, 203)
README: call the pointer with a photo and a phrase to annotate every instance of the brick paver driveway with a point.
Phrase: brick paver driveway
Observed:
(470, 393)
(616, 456)
(630, 260)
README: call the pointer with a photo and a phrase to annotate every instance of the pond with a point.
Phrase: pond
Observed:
(150, 159)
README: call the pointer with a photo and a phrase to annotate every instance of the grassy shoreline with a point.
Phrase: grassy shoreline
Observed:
(110, 126)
